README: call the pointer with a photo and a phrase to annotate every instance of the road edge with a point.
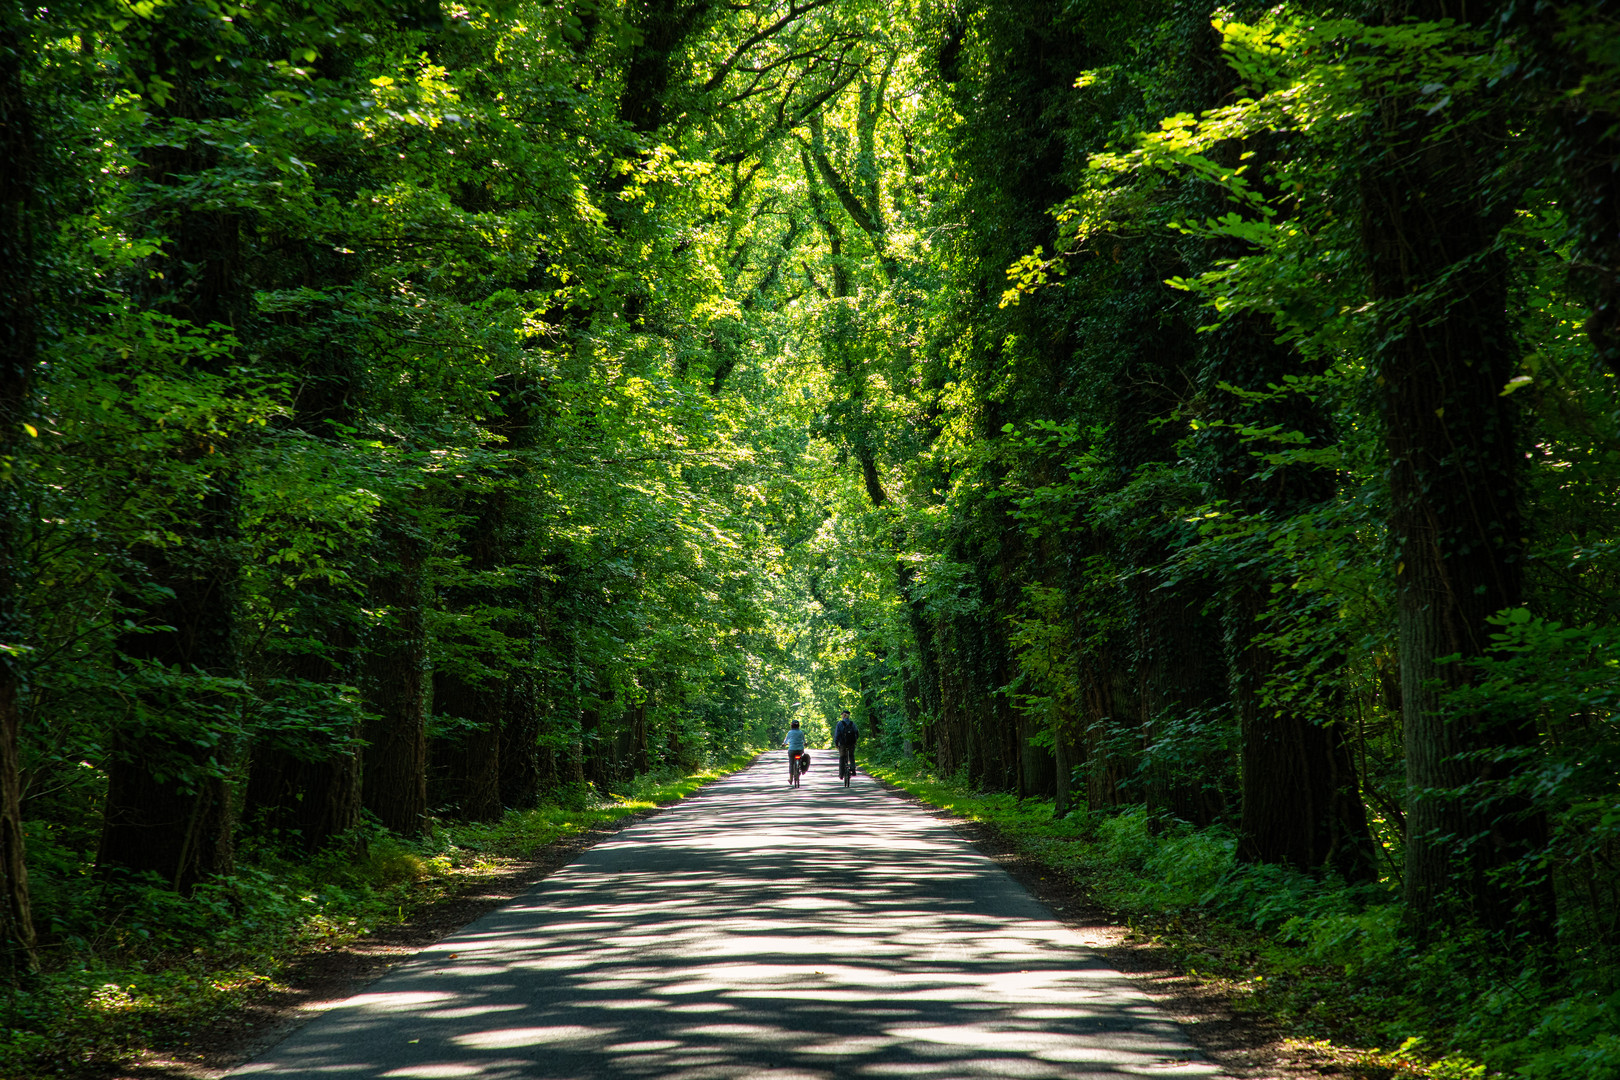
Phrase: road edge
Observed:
(1246, 1046)
(317, 981)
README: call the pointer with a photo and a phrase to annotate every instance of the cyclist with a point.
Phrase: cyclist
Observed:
(845, 736)
(795, 745)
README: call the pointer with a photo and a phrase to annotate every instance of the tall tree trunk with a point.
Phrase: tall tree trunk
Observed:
(1300, 796)
(1108, 735)
(18, 357)
(1037, 766)
(179, 830)
(923, 727)
(1064, 768)
(1169, 645)
(513, 517)
(1180, 684)
(465, 778)
(871, 713)
(465, 773)
(1301, 799)
(315, 795)
(168, 810)
(1445, 351)
(1105, 738)
(1572, 44)
(17, 942)
(952, 749)
(317, 800)
(312, 786)
(393, 683)
(639, 760)
(520, 772)
(593, 768)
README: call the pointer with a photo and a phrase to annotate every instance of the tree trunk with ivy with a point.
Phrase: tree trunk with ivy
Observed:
(520, 756)
(1444, 353)
(394, 682)
(310, 784)
(1301, 799)
(465, 760)
(18, 356)
(313, 793)
(169, 810)
(465, 772)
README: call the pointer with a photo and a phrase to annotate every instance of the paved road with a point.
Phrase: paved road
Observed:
(755, 930)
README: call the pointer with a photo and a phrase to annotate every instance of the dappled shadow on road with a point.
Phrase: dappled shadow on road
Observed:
(811, 932)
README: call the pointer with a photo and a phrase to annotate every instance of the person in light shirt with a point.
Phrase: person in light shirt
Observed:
(795, 745)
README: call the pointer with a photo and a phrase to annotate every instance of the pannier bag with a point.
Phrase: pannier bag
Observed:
(804, 762)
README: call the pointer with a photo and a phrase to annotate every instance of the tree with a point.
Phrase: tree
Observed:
(20, 210)
(1443, 353)
(168, 809)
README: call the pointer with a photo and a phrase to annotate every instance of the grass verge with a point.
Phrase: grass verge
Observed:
(131, 968)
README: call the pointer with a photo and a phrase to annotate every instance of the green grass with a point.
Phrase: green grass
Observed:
(130, 966)
(1329, 962)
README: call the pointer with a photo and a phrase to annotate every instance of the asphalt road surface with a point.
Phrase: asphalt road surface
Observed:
(755, 930)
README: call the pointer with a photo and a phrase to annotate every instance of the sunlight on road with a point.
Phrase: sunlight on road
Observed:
(815, 932)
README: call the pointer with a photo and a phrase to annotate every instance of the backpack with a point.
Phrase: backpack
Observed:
(845, 734)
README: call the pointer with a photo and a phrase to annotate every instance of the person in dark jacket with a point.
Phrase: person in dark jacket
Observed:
(845, 736)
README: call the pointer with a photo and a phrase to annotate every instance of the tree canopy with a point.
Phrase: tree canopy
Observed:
(411, 412)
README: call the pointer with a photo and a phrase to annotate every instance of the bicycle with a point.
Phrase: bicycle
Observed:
(845, 735)
(793, 769)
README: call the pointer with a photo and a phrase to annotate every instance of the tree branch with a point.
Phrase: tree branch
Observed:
(794, 11)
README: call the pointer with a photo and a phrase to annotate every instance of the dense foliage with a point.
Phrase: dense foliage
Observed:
(1205, 418)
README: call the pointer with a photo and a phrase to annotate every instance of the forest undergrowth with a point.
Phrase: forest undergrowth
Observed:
(132, 966)
(1329, 964)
